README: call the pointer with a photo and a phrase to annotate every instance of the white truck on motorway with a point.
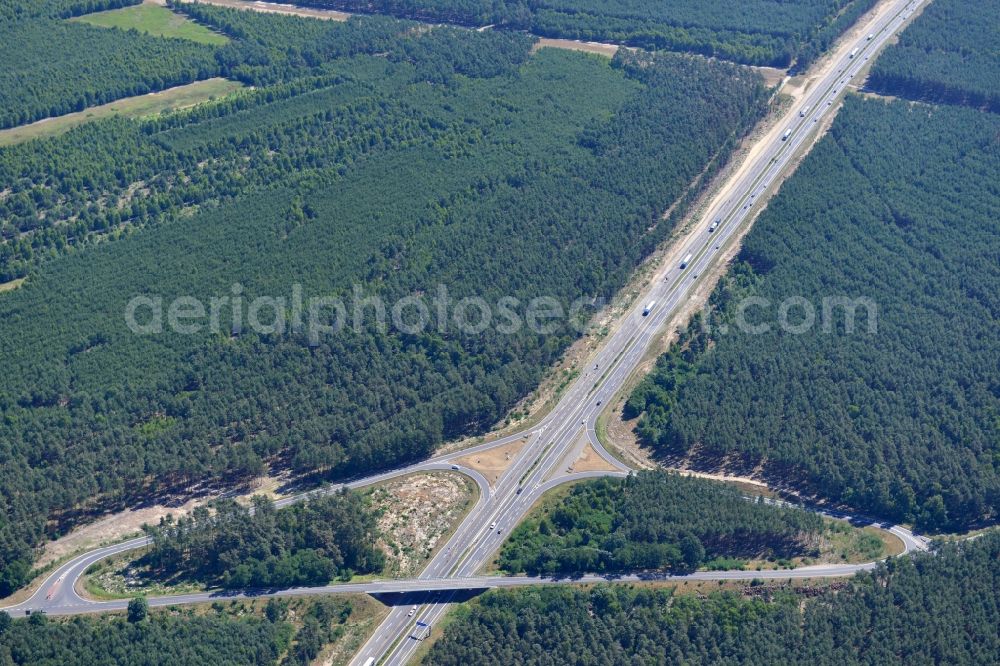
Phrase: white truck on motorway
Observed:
(854, 52)
(685, 261)
(648, 308)
(715, 225)
(804, 111)
(788, 133)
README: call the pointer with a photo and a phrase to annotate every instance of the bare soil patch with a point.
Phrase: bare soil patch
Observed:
(417, 513)
(608, 50)
(12, 285)
(273, 8)
(589, 461)
(128, 523)
(772, 75)
(492, 463)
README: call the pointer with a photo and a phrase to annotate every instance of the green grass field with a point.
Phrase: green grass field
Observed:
(155, 20)
(133, 107)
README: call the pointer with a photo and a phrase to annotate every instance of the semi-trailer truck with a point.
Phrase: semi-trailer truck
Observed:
(854, 52)
(803, 112)
(685, 261)
(788, 133)
(648, 308)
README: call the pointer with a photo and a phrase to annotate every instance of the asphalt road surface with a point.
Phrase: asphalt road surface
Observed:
(534, 469)
(540, 465)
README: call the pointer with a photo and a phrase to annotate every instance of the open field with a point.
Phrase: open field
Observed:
(155, 20)
(590, 461)
(141, 106)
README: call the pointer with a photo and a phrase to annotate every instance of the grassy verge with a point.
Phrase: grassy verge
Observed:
(154, 20)
(836, 542)
(121, 576)
(457, 613)
(354, 618)
(131, 107)
(840, 543)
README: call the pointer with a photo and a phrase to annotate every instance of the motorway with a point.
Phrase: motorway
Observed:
(542, 463)
(472, 546)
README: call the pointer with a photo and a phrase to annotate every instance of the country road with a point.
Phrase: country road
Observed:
(541, 463)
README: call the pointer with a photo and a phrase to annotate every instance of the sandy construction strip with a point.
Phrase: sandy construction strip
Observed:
(273, 8)
(572, 45)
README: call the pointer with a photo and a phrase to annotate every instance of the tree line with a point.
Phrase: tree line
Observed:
(236, 633)
(655, 520)
(926, 608)
(760, 32)
(291, 59)
(896, 414)
(54, 67)
(236, 546)
(11, 10)
(159, 640)
(380, 176)
(950, 54)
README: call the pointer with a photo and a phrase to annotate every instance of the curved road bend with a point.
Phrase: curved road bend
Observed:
(398, 637)
(534, 470)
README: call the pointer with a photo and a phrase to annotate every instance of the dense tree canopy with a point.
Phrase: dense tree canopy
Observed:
(897, 206)
(758, 32)
(53, 67)
(237, 633)
(949, 54)
(930, 608)
(654, 520)
(397, 171)
(304, 544)
(162, 641)
(11, 10)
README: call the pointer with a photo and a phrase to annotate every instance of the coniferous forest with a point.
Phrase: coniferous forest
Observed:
(950, 54)
(939, 608)
(655, 520)
(234, 633)
(896, 206)
(756, 32)
(235, 547)
(53, 66)
(369, 154)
